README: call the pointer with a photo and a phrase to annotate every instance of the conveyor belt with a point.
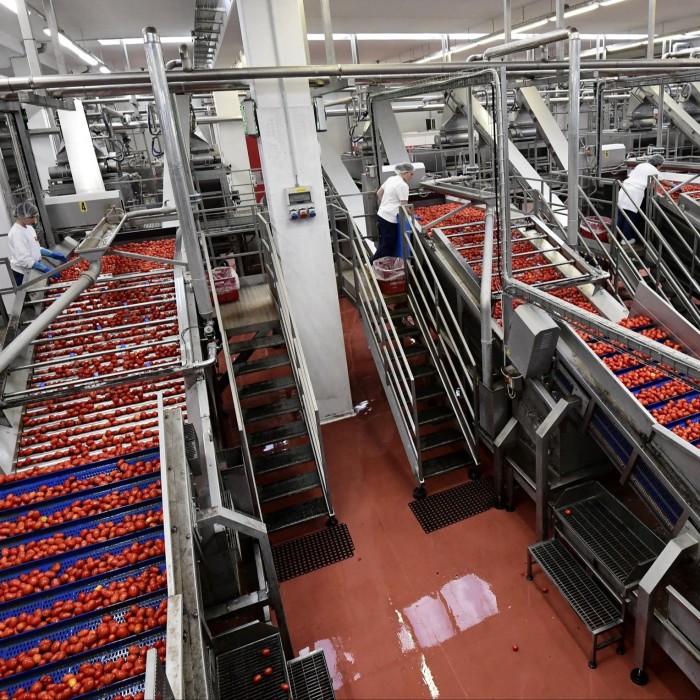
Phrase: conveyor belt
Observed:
(82, 571)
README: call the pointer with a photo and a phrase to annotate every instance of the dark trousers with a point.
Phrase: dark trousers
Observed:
(388, 237)
(19, 277)
(627, 227)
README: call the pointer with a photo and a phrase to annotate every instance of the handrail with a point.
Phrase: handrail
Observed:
(237, 408)
(449, 348)
(395, 373)
(273, 265)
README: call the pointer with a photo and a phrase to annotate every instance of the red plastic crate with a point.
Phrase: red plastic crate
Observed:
(593, 225)
(226, 283)
(392, 287)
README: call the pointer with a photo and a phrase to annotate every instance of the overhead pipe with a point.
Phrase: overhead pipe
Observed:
(186, 58)
(223, 76)
(530, 43)
(176, 166)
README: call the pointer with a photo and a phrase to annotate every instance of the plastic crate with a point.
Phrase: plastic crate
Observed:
(57, 504)
(142, 455)
(61, 631)
(226, 284)
(67, 559)
(392, 287)
(13, 683)
(74, 527)
(70, 591)
(592, 227)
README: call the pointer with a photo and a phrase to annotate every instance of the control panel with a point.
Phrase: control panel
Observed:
(300, 203)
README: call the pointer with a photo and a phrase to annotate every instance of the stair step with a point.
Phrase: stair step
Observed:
(278, 360)
(250, 415)
(415, 350)
(440, 438)
(282, 459)
(420, 371)
(446, 463)
(293, 515)
(429, 391)
(583, 593)
(267, 386)
(287, 487)
(289, 431)
(229, 458)
(436, 414)
(405, 331)
(265, 341)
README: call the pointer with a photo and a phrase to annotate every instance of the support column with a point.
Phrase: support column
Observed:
(290, 156)
(651, 28)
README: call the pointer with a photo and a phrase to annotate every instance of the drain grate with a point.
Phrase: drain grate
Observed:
(311, 552)
(459, 503)
(309, 677)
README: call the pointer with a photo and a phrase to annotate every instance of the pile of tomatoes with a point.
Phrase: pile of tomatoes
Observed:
(667, 390)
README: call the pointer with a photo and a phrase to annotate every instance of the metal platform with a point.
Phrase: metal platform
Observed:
(255, 307)
(587, 598)
(309, 677)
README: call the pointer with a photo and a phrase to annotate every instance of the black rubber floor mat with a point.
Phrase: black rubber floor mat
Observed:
(311, 552)
(459, 503)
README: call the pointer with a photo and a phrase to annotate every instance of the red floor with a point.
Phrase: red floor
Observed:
(441, 615)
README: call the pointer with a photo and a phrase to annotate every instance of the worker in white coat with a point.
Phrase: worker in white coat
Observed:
(391, 195)
(25, 251)
(631, 195)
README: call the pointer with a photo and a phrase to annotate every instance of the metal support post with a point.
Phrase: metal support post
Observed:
(560, 25)
(505, 438)
(543, 433)
(354, 50)
(501, 121)
(53, 28)
(660, 120)
(470, 120)
(485, 301)
(573, 136)
(328, 31)
(176, 166)
(649, 584)
(651, 28)
(506, 21)
(28, 38)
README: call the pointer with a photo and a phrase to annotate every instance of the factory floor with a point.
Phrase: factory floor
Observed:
(444, 615)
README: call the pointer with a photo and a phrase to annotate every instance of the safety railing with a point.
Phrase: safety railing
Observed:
(385, 344)
(273, 267)
(237, 408)
(440, 330)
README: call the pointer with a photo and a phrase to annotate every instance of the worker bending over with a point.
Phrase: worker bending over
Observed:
(391, 195)
(25, 251)
(631, 195)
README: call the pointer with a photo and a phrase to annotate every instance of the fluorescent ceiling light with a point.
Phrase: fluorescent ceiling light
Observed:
(580, 10)
(622, 47)
(10, 5)
(104, 69)
(138, 40)
(605, 3)
(528, 27)
(71, 46)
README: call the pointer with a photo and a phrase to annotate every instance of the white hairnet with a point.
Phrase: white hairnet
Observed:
(25, 210)
(403, 168)
(656, 160)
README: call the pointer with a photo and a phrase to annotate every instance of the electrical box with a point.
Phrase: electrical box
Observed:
(249, 113)
(532, 340)
(612, 155)
(320, 114)
(300, 203)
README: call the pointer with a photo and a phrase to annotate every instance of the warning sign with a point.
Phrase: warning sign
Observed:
(83, 206)
(605, 154)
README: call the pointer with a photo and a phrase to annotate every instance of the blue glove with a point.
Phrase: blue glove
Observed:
(53, 254)
(41, 267)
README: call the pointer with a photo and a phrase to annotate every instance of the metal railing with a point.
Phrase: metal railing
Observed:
(440, 329)
(385, 344)
(275, 276)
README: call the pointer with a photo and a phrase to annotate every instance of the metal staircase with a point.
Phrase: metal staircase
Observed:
(423, 361)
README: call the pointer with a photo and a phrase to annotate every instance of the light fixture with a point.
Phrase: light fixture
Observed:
(138, 40)
(528, 27)
(622, 47)
(72, 46)
(605, 3)
(10, 5)
(580, 10)
(104, 69)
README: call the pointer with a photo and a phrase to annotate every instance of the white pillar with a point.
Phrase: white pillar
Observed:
(84, 168)
(290, 156)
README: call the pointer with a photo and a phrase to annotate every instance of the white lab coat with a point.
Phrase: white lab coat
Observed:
(25, 249)
(395, 192)
(635, 185)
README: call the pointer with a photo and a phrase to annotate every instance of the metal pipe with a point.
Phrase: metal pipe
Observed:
(354, 50)
(660, 120)
(327, 31)
(221, 77)
(176, 166)
(560, 25)
(186, 58)
(573, 136)
(41, 322)
(651, 28)
(506, 21)
(28, 40)
(485, 301)
(531, 43)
